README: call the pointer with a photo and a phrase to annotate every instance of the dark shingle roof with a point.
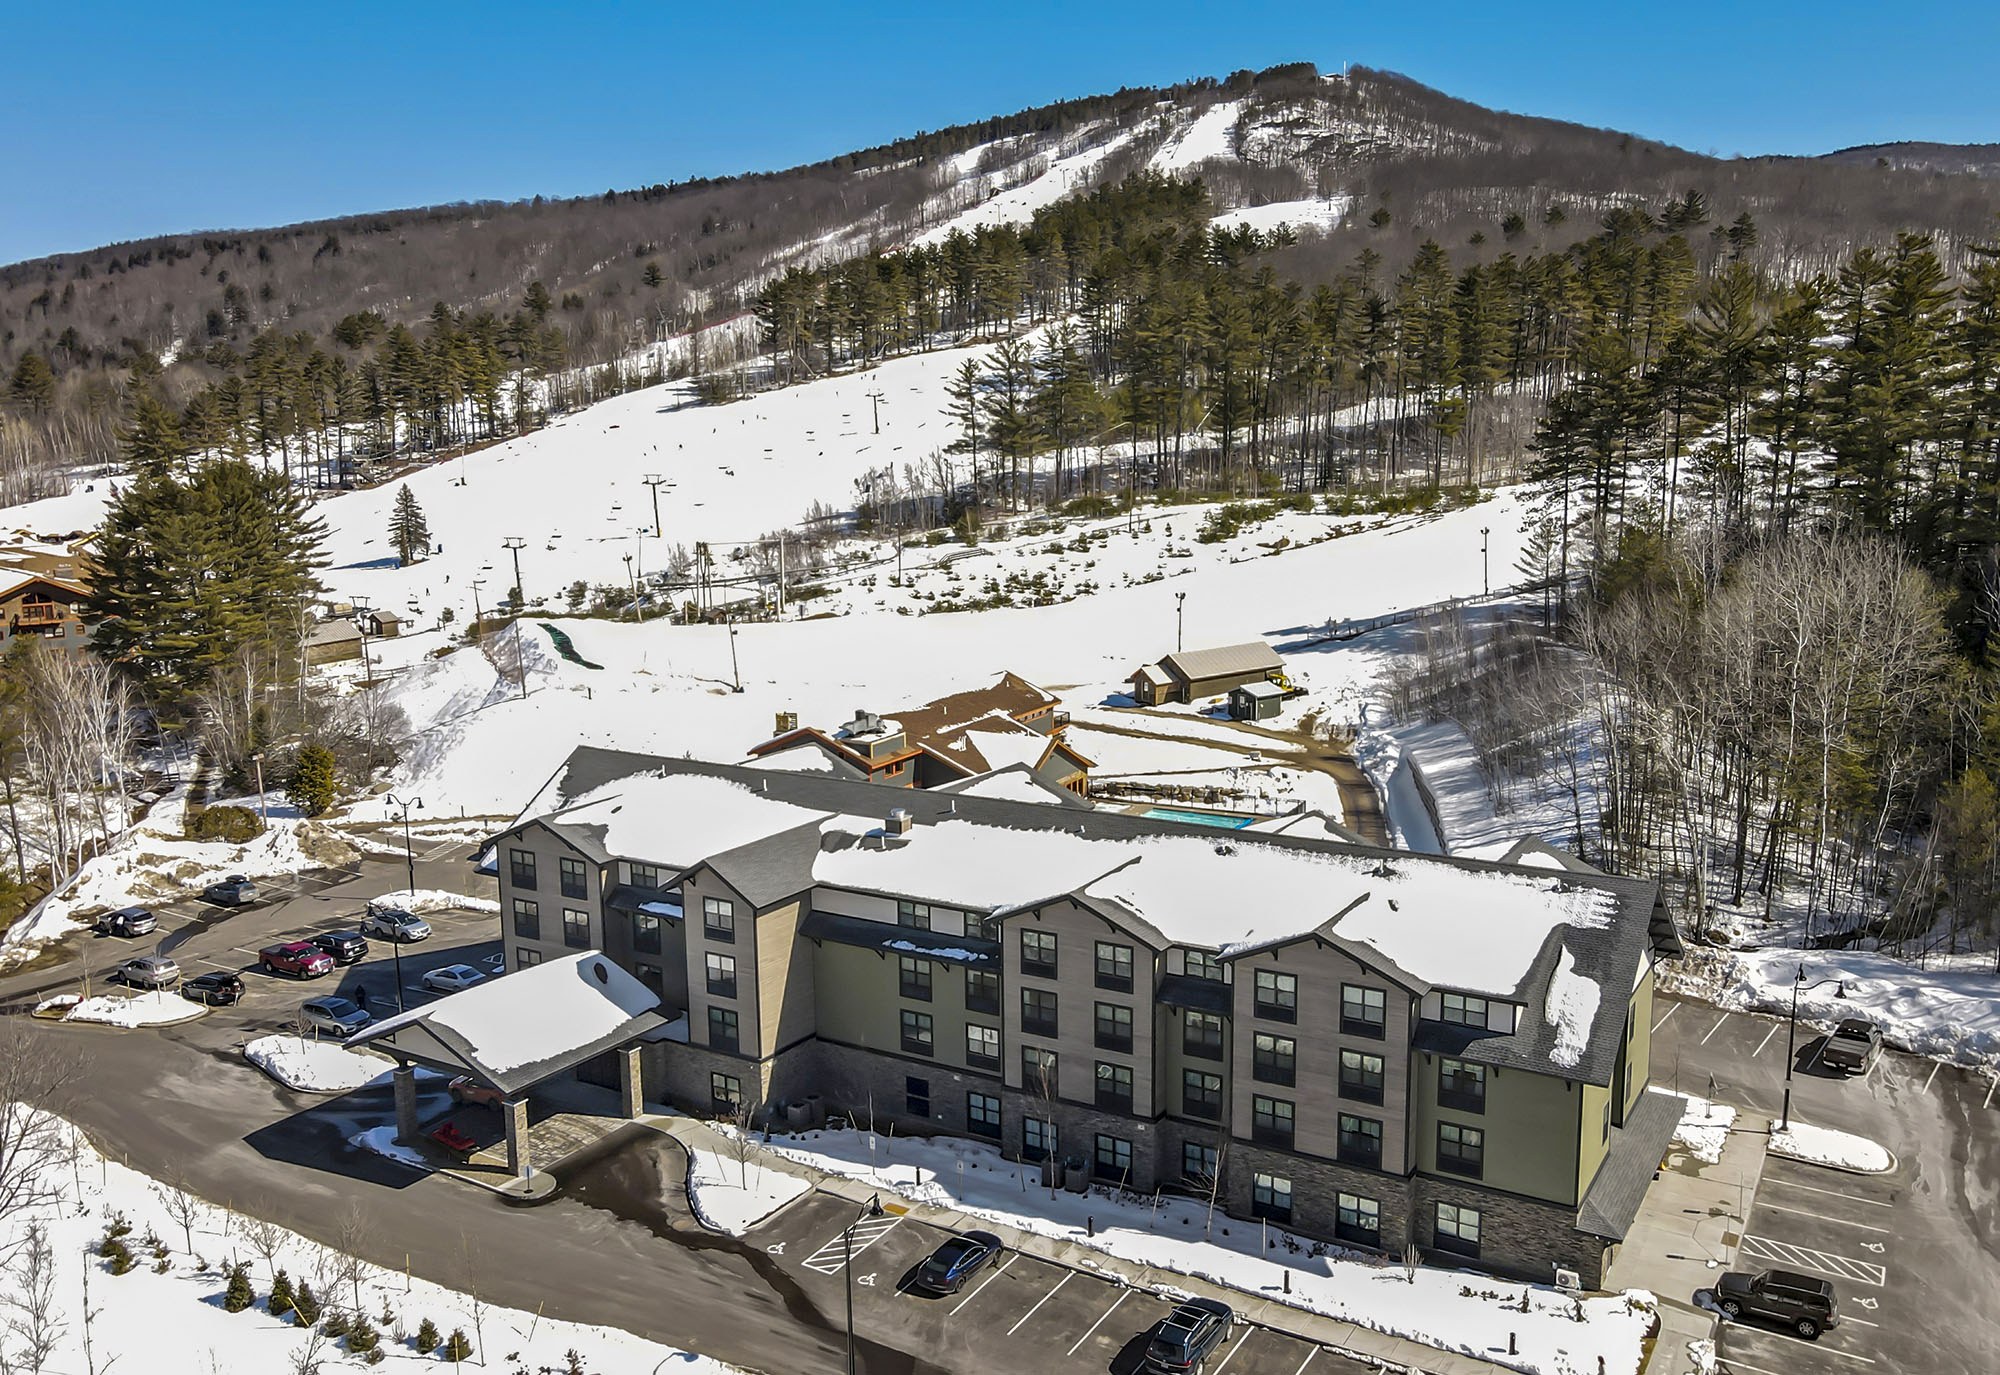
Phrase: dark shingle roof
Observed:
(901, 940)
(1613, 1199)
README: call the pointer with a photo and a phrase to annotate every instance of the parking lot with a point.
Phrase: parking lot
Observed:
(1021, 1313)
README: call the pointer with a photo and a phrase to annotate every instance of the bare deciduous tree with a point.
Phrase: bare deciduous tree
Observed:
(38, 1074)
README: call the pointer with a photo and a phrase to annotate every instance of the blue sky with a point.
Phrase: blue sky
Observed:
(123, 120)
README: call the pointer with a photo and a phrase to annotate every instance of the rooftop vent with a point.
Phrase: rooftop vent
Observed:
(900, 822)
(864, 723)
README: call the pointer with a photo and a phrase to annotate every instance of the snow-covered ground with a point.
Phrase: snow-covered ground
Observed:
(313, 1066)
(1453, 1310)
(734, 1195)
(155, 1007)
(1212, 134)
(1017, 204)
(1825, 1146)
(1313, 215)
(1704, 1126)
(166, 1313)
(421, 901)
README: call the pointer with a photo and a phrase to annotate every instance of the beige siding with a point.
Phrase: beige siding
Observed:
(1077, 995)
(784, 979)
(746, 1003)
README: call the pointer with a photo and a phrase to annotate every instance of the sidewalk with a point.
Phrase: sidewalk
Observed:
(1686, 1235)
(1360, 1343)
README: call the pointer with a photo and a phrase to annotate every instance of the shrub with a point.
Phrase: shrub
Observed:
(305, 1305)
(427, 1337)
(312, 788)
(337, 1323)
(458, 1347)
(239, 1295)
(280, 1302)
(361, 1338)
(118, 1227)
(237, 825)
(117, 1255)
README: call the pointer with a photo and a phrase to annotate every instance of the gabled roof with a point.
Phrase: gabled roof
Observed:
(1614, 1196)
(333, 633)
(64, 584)
(1252, 656)
(1016, 783)
(515, 1031)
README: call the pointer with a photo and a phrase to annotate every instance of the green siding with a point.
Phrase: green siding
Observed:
(1531, 1126)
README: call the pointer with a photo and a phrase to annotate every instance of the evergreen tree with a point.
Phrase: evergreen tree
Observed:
(152, 439)
(238, 1295)
(457, 1347)
(409, 531)
(313, 788)
(33, 387)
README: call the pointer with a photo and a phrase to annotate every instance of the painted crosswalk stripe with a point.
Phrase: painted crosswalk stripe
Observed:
(1766, 1041)
(1810, 1258)
(830, 1258)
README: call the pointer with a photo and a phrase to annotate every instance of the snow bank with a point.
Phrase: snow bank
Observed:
(1825, 1146)
(1704, 1126)
(156, 1007)
(733, 1196)
(1448, 1309)
(382, 1141)
(314, 1066)
(422, 900)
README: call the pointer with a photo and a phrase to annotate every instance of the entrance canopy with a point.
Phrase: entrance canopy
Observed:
(512, 1033)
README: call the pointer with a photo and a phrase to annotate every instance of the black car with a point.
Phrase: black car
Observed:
(946, 1269)
(1185, 1337)
(1803, 1303)
(218, 989)
(346, 947)
(128, 922)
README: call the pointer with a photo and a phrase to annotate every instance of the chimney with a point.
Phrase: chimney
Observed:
(899, 824)
(787, 721)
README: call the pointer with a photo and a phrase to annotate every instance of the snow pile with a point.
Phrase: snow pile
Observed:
(382, 1141)
(1704, 1126)
(424, 900)
(733, 1196)
(1448, 1309)
(1945, 1009)
(1825, 1146)
(156, 1007)
(1571, 1009)
(314, 1066)
(135, 1313)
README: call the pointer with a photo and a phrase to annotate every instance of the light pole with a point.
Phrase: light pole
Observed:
(1799, 985)
(654, 480)
(515, 544)
(735, 676)
(263, 810)
(874, 1209)
(634, 580)
(478, 616)
(1485, 578)
(410, 853)
(1180, 606)
(876, 397)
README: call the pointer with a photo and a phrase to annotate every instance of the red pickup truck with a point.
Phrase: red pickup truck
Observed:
(300, 959)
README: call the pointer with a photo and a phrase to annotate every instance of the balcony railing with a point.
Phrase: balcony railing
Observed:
(42, 613)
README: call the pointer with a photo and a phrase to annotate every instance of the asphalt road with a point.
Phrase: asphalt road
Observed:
(1914, 1254)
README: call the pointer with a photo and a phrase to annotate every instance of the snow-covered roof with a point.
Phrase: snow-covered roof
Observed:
(1193, 665)
(515, 1031)
(677, 818)
(1015, 783)
(1260, 690)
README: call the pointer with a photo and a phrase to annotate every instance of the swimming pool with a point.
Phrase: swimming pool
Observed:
(1227, 823)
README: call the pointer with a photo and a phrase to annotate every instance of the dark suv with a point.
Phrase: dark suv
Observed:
(1185, 1337)
(1800, 1302)
(346, 947)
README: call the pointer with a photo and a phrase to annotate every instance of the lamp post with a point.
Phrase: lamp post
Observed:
(478, 616)
(873, 1209)
(410, 854)
(633, 579)
(654, 480)
(735, 676)
(263, 809)
(1485, 577)
(1799, 985)
(1180, 606)
(514, 544)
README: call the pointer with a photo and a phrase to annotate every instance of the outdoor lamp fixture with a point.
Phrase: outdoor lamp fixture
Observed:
(410, 854)
(873, 1209)
(1799, 985)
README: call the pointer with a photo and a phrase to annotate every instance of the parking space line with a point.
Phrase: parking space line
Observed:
(1717, 1027)
(1766, 1041)
(1731, 1365)
(1307, 1361)
(1812, 1258)
(1936, 1065)
(835, 1254)
(1830, 1193)
(1801, 1212)
(1815, 1345)
(1989, 1092)
(1123, 1294)
(1068, 1275)
(1238, 1346)
(1670, 1012)
(998, 1271)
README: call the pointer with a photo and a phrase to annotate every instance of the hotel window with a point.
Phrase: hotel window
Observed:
(1201, 1094)
(916, 1096)
(644, 875)
(913, 978)
(982, 991)
(1113, 1158)
(1038, 954)
(1357, 1219)
(718, 919)
(1201, 1035)
(916, 915)
(521, 868)
(721, 971)
(1461, 1086)
(1201, 965)
(1363, 1011)
(1274, 1059)
(646, 933)
(570, 877)
(1114, 1087)
(982, 1115)
(524, 958)
(1462, 1009)
(722, 1028)
(982, 1046)
(1038, 1138)
(1277, 995)
(1114, 967)
(527, 919)
(1360, 1140)
(1271, 1197)
(1198, 1162)
(725, 1093)
(1360, 1076)
(917, 1033)
(1461, 1149)
(576, 929)
(1457, 1229)
(1038, 1012)
(1272, 1121)
(1114, 1027)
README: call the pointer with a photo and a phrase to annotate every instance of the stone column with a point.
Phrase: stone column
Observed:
(516, 1111)
(632, 1082)
(404, 1080)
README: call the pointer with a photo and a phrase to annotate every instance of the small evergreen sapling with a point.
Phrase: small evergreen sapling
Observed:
(239, 1294)
(458, 1347)
(305, 1305)
(428, 1337)
(280, 1301)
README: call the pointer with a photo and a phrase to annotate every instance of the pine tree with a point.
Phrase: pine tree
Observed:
(33, 387)
(305, 1306)
(281, 1299)
(409, 532)
(152, 439)
(427, 1337)
(239, 1295)
(458, 1347)
(312, 789)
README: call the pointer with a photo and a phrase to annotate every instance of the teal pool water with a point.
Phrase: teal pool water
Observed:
(1227, 823)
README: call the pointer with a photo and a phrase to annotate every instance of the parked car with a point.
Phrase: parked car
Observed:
(234, 891)
(946, 1270)
(214, 989)
(466, 1089)
(452, 978)
(393, 925)
(346, 947)
(335, 1017)
(300, 959)
(150, 971)
(128, 922)
(1185, 1337)
(1852, 1046)
(1803, 1303)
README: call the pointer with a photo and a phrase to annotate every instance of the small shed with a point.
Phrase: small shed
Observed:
(330, 642)
(1189, 675)
(386, 624)
(1151, 686)
(1255, 701)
